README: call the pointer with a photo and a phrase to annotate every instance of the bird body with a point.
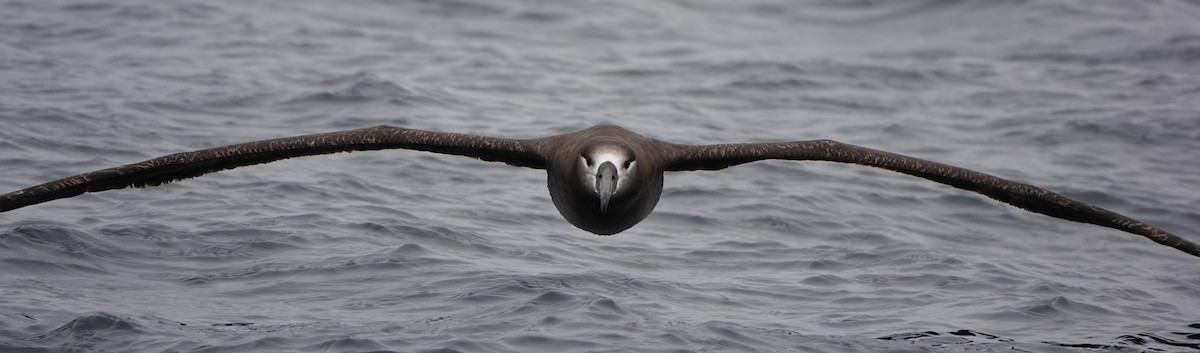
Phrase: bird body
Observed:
(574, 163)
(603, 179)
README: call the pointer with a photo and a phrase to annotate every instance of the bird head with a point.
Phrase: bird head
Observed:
(607, 168)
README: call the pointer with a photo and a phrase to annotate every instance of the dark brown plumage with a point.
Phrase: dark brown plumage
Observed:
(573, 161)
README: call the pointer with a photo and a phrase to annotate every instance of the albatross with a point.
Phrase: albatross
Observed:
(603, 179)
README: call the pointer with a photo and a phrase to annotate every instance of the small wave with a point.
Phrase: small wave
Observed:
(965, 338)
(1023, 98)
(547, 343)
(349, 344)
(42, 250)
(988, 342)
(363, 89)
(1185, 55)
(94, 332)
(451, 8)
(1061, 305)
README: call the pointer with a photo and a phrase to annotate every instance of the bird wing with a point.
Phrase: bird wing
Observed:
(185, 165)
(1025, 196)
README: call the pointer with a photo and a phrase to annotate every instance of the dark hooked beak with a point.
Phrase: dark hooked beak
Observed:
(606, 183)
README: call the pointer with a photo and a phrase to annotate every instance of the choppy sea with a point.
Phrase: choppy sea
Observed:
(401, 251)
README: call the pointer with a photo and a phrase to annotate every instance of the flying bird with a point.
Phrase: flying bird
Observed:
(603, 179)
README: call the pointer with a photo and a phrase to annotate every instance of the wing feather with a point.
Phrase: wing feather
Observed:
(185, 165)
(1025, 196)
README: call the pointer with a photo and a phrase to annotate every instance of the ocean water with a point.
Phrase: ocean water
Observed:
(414, 252)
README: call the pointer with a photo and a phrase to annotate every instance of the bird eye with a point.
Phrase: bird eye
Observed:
(628, 163)
(587, 160)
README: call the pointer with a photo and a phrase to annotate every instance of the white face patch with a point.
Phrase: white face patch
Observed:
(590, 165)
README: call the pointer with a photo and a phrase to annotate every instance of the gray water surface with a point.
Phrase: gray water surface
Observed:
(414, 252)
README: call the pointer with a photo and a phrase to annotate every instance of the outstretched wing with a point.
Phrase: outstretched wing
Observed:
(185, 165)
(1028, 197)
